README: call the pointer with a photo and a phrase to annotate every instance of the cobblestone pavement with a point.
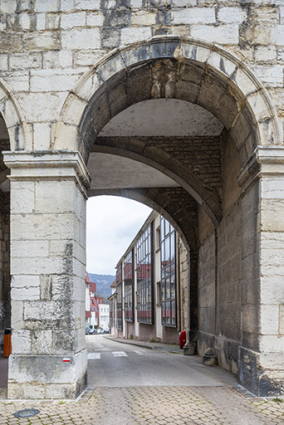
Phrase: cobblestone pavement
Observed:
(151, 405)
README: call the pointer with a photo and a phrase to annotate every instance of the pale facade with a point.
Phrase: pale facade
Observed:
(150, 298)
(104, 316)
(188, 98)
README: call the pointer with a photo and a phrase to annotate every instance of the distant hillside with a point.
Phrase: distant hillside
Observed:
(103, 282)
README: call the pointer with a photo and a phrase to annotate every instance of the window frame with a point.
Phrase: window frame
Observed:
(129, 289)
(145, 290)
(168, 274)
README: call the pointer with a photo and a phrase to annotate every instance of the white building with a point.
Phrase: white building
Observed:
(104, 315)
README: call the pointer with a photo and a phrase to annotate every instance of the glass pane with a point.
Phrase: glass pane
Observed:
(172, 247)
(168, 289)
(168, 271)
(162, 254)
(173, 312)
(163, 290)
(167, 250)
(162, 233)
(168, 312)
(173, 289)
(167, 227)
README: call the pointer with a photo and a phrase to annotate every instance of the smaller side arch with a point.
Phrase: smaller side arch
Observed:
(161, 161)
(14, 119)
(161, 201)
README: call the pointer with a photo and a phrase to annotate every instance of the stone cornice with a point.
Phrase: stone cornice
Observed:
(265, 161)
(47, 165)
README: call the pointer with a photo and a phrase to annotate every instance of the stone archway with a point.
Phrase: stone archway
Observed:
(203, 74)
(52, 221)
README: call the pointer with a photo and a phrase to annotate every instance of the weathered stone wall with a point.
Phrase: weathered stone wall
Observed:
(228, 326)
(220, 258)
(47, 285)
(47, 45)
(207, 294)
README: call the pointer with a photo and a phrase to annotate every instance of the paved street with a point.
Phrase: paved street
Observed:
(134, 385)
(112, 364)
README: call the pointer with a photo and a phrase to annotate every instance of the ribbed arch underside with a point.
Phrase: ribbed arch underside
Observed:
(169, 78)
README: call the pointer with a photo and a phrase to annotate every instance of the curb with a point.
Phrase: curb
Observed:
(142, 345)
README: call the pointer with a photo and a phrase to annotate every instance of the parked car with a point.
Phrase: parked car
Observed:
(106, 330)
(87, 330)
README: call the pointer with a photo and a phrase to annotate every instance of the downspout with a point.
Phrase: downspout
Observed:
(189, 347)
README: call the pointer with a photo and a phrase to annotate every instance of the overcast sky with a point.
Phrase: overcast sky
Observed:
(112, 223)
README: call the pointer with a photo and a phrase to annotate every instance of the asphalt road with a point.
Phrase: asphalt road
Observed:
(113, 364)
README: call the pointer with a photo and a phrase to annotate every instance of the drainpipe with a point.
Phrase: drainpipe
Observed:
(189, 347)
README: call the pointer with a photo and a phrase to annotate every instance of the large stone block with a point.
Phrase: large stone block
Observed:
(53, 103)
(95, 19)
(87, 57)
(270, 75)
(142, 18)
(25, 61)
(8, 6)
(41, 41)
(194, 16)
(17, 308)
(11, 43)
(271, 213)
(73, 20)
(21, 342)
(55, 197)
(277, 35)
(271, 289)
(67, 5)
(30, 248)
(90, 38)
(44, 226)
(42, 136)
(61, 59)
(54, 80)
(3, 62)
(223, 34)
(17, 80)
(271, 343)
(37, 265)
(269, 319)
(265, 53)
(42, 342)
(130, 35)
(47, 5)
(23, 197)
(87, 4)
(229, 15)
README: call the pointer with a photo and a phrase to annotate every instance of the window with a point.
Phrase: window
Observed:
(144, 277)
(168, 274)
(119, 297)
(128, 287)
